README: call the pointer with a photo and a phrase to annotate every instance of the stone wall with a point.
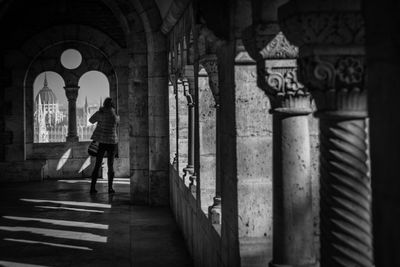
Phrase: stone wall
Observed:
(207, 136)
(202, 238)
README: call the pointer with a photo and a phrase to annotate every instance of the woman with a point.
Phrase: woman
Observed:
(106, 134)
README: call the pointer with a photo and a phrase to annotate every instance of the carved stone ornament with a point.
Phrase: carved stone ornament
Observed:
(332, 61)
(210, 64)
(279, 48)
(337, 82)
(284, 89)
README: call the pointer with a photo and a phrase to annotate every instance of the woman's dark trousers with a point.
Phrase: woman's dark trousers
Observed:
(103, 148)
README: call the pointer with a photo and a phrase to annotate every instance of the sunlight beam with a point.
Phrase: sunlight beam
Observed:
(65, 208)
(60, 222)
(18, 264)
(46, 243)
(72, 203)
(83, 236)
(104, 181)
(85, 165)
(63, 159)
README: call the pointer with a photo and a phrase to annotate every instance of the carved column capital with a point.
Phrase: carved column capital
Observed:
(277, 68)
(332, 60)
(210, 64)
(71, 91)
(187, 92)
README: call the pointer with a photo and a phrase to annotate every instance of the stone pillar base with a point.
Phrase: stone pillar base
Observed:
(192, 185)
(72, 139)
(214, 211)
(188, 172)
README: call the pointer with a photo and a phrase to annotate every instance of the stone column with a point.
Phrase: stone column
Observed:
(293, 233)
(210, 63)
(332, 66)
(188, 86)
(176, 98)
(71, 92)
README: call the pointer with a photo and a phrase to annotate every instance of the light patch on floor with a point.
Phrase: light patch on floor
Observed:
(71, 209)
(60, 222)
(18, 264)
(88, 182)
(57, 233)
(71, 203)
(46, 243)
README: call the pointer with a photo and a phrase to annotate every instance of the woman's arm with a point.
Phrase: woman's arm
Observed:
(94, 118)
(116, 116)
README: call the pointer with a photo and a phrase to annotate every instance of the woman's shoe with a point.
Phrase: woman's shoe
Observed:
(111, 191)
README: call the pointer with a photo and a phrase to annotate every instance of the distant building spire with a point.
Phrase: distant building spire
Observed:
(86, 103)
(45, 84)
(101, 100)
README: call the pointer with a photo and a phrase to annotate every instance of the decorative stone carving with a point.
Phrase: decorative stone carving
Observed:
(338, 82)
(210, 64)
(279, 48)
(277, 76)
(277, 67)
(328, 28)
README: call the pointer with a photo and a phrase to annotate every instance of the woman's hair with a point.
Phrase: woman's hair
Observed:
(108, 103)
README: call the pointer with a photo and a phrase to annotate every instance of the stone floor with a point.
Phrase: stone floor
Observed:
(57, 223)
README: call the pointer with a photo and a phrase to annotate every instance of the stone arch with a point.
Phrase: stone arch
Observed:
(141, 68)
(49, 60)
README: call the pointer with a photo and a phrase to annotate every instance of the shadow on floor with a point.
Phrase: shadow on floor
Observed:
(57, 223)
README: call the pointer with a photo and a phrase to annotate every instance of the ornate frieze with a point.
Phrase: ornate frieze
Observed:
(327, 28)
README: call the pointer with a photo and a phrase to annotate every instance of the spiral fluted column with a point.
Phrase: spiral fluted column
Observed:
(332, 65)
(345, 193)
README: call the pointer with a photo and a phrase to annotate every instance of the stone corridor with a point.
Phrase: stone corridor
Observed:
(252, 133)
(57, 223)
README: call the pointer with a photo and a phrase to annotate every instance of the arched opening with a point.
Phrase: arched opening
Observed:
(50, 108)
(94, 88)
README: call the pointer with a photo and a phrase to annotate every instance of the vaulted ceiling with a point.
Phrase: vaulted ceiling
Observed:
(24, 19)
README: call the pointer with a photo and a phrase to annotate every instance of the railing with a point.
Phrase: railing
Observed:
(202, 238)
(56, 134)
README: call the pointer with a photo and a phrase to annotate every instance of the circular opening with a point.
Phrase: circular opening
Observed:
(71, 59)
